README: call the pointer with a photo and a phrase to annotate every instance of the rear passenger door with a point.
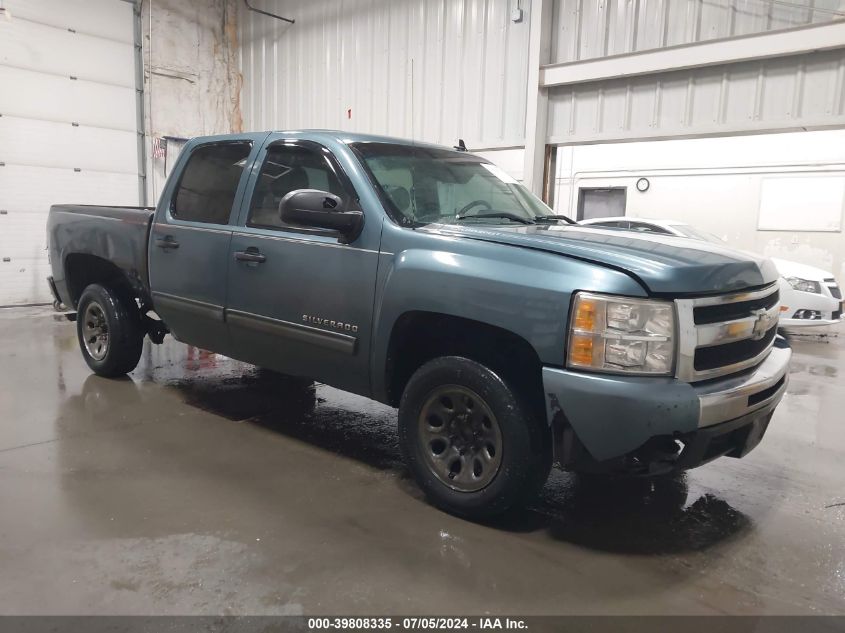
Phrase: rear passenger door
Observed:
(300, 299)
(189, 242)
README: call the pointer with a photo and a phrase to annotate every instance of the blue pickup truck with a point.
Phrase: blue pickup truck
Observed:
(426, 278)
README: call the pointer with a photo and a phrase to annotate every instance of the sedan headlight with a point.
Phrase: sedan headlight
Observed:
(805, 285)
(620, 334)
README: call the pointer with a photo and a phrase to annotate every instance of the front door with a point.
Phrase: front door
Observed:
(300, 301)
(191, 234)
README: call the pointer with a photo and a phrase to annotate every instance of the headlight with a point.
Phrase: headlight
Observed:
(618, 334)
(805, 285)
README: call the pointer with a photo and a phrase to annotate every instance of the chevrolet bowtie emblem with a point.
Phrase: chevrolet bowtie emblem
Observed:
(762, 325)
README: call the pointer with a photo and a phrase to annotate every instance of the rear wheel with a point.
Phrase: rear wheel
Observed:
(110, 332)
(470, 443)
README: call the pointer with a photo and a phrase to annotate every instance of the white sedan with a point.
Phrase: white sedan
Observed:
(809, 296)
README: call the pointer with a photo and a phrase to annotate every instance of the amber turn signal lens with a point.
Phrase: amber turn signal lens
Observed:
(585, 315)
(581, 350)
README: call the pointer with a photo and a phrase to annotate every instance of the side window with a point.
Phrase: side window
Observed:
(288, 168)
(648, 228)
(206, 190)
(610, 225)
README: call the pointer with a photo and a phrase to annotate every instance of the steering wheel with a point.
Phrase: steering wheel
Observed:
(474, 203)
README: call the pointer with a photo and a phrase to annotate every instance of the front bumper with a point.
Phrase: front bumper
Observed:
(828, 308)
(614, 416)
(813, 326)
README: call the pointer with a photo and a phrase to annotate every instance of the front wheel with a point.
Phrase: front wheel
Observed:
(468, 440)
(109, 329)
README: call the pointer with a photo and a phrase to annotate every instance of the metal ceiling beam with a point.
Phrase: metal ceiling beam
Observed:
(805, 39)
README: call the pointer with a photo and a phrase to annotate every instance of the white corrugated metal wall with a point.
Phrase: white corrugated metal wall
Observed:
(763, 84)
(429, 69)
(609, 71)
(68, 130)
(588, 29)
(785, 72)
(361, 64)
(787, 93)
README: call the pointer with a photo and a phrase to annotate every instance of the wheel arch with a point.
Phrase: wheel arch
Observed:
(82, 270)
(418, 336)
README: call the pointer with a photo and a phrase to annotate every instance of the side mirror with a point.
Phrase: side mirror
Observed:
(321, 209)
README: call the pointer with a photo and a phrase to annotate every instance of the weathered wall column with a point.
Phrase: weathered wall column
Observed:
(191, 75)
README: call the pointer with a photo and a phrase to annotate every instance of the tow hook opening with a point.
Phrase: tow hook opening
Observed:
(657, 456)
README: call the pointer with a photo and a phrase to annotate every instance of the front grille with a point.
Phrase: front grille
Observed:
(719, 334)
(834, 290)
(732, 353)
(837, 314)
(731, 311)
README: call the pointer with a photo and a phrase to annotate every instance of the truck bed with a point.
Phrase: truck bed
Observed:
(89, 235)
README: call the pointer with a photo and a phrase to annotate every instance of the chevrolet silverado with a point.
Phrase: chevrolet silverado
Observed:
(427, 278)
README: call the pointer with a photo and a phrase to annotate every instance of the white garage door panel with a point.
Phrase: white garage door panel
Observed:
(52, 124)
(57, 98)
(34, 189)
(48, 144)
(24, 281)
(50, 50)
(106, 18)
(23, 235)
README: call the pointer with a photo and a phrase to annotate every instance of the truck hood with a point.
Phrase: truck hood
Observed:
(663, 264)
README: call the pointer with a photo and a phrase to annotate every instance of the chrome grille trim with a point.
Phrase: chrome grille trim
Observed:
(711, 334)
(736, 297)
(691, 337)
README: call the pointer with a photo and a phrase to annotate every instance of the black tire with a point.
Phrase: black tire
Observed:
(119, 320)
(524, 459)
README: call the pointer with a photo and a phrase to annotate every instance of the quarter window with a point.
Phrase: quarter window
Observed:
(207, 188)
(288, 168)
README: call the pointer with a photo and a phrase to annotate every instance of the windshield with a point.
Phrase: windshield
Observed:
(422, 185)
(697, 234)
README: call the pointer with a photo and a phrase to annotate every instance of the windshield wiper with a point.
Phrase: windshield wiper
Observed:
(496, 214)
(555, 218)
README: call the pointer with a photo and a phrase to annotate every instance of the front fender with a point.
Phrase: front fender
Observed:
(520, 290)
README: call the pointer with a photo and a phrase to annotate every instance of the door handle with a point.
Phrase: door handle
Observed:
(167, 242)
(250, 255)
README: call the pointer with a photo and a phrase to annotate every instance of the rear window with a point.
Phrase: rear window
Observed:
(206, 191)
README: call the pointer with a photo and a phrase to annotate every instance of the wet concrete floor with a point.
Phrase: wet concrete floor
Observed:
(200, 485)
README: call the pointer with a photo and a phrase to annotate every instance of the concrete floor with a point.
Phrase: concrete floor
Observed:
(201, 486)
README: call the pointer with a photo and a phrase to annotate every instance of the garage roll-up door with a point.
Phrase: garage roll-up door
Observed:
(68, 126)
